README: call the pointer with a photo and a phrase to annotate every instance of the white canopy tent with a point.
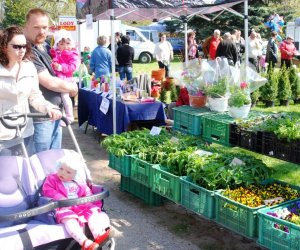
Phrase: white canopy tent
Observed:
(136, 10)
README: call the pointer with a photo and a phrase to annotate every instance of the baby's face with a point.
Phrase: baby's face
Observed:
(65, 44)
(65, 173)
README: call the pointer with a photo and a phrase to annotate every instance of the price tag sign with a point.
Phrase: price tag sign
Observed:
(237, 162)
(155, 130)
(201, 152)
(104, 105)
(174, 140)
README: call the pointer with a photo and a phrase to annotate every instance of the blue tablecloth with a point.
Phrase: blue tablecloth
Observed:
(88, 110)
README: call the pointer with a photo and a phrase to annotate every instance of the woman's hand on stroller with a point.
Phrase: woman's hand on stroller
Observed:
(54, 113)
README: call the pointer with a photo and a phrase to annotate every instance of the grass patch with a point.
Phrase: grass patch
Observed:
(146, 68)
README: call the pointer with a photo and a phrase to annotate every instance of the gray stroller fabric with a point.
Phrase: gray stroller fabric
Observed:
(17, 186)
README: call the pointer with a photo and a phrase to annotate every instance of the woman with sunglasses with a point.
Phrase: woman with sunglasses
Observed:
(19, 88)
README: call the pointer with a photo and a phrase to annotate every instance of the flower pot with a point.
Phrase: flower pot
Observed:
(239, 113)
(218, 104)
(269, 104)
(158, 75)
(296, 101)
(284, 102)
(197, 101)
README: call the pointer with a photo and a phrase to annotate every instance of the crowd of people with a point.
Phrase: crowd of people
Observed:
(261, 54)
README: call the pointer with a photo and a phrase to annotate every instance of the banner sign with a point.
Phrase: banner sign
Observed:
(67, 23)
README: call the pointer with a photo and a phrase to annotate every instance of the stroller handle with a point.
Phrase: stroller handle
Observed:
(54, 204)
(5, 119)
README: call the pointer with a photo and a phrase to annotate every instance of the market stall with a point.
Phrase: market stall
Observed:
(149, 10)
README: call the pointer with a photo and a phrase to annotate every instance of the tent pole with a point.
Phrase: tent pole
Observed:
(113, 66)
(186, 45)
(246, 36)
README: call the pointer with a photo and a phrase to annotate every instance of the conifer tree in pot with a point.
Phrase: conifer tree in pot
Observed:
(255, 97)
(284, 87)
(269, 91)
(295, 84)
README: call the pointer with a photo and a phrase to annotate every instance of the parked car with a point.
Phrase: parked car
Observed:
(177, 44)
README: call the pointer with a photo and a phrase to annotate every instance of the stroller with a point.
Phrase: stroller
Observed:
(27, 219)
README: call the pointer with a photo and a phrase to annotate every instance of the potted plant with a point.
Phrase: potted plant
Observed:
(284, 87)
(197, 96)
(239, 102)
(270, 90)
(295, 85)
(217, 98)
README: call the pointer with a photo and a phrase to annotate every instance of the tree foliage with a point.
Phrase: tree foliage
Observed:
(15, 10)
(258, 13)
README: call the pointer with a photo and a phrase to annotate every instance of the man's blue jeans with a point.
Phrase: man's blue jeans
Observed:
(47, 135)
(125, 71)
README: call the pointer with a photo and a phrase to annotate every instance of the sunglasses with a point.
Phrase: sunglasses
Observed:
(16, 46)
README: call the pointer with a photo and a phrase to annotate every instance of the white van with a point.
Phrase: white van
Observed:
(143, 47)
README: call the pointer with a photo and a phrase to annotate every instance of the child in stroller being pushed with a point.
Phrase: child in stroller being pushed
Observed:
(66, 183)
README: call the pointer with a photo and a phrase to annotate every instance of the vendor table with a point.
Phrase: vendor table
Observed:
(89, 102)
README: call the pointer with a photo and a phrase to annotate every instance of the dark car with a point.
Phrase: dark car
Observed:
(177, 44)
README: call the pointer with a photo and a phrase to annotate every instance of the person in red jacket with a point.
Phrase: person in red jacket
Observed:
(288, 51)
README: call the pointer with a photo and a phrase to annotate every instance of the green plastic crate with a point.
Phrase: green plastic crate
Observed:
(273, 238)
(196, 198)
(140, 191)
(166, 184)
(238, 217)
(188, 119)
(141, 171)
(216, 128)
(121, 164)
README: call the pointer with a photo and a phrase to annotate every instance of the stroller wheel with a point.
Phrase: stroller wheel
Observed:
(110, 245)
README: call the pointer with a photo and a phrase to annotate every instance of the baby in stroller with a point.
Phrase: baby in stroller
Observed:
(67, 183)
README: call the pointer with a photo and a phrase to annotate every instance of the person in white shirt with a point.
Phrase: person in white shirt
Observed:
(163, 53)
(255, 49)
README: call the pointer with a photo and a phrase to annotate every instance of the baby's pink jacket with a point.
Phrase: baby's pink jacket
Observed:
(68, 59)
(55, 189)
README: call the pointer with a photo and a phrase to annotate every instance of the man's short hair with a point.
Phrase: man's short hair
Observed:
(227, 36)
(35, 11)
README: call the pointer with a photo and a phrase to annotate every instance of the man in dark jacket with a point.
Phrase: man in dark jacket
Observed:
(125, 55)
(228, 49)
(272, 49)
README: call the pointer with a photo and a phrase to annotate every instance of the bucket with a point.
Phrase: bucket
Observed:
(218, 104)
(239, 113)
(197, 101)
(158, 75)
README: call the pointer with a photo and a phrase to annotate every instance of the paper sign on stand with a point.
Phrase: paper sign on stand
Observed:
(89, 21)
(104, 105)
(155, 130)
